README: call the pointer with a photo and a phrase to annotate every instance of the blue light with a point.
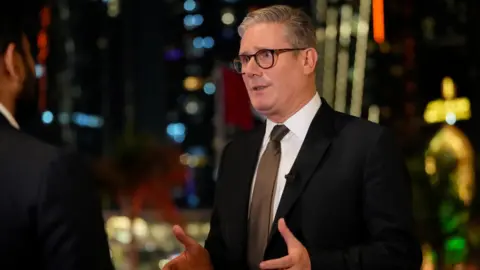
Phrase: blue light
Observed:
(39, 71)
(192, 21)
(187, 20)
(47, 117)
(208, 42)
(189, 5)
(197, 19)
(176, 131)
(173, 54)
(209, 88)
(179, 138)
(193, 201)
(198, 42)
(86, 120)
(197, 151)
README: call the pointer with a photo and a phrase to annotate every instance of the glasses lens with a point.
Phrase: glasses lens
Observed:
(264, 58)
(237, 65)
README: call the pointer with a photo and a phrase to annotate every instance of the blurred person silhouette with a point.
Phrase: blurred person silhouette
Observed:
(311, 188)
(51, 215)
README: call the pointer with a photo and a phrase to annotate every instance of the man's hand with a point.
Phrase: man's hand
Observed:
(194, 256)
(297, 258)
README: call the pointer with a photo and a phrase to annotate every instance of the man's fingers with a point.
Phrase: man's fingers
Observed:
(295, 251)
(287, 235)
(168, 267)
(281, 263)
(183, 238)
(173, 264)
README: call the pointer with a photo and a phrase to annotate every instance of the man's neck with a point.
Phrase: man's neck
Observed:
(8, 105)
(7, 110)
(282, 117)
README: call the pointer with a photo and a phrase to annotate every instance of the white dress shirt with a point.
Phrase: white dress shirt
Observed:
(9, 116)
(298, 124)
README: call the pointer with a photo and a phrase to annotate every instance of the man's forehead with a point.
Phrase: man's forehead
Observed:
(248, 49)
(253, 50)
(263, 36)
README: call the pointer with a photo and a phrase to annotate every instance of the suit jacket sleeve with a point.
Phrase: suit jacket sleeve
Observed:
(388, 215)
(215, 244)
(69, 219)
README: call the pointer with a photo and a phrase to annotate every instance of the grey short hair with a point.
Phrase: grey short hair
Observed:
(299, 26)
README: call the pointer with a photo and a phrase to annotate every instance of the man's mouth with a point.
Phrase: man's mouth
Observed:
(258, 88)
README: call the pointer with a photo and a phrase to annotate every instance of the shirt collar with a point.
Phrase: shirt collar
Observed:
(8, 116)
(299, 123)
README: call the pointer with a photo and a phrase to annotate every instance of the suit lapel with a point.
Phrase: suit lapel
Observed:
(239, 195)
(311, 153)
(4, 124)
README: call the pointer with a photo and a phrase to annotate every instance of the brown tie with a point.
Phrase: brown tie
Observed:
(262, 197)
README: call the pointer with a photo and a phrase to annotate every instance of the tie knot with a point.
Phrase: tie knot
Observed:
(278, 132)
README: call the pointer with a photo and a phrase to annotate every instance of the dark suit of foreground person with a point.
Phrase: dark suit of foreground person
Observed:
(50, 215)
(312, 188)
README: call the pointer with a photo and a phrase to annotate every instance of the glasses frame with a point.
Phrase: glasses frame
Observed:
(274, 52)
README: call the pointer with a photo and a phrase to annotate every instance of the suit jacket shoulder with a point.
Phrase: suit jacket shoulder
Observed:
(50, 207)
(24, 157)
(27, 164)
(243, 137)
(242, 145)
(357, 130)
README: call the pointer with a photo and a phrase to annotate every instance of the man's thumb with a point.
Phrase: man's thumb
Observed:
(287, 235)
(183, 238)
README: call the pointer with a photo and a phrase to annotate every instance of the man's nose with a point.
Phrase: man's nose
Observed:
(251, 68)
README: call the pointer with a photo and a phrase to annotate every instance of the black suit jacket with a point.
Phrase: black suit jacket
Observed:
(50, 215)
(349, 201)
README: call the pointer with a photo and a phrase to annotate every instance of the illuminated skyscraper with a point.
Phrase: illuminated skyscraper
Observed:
(78, 73)
(343, 31)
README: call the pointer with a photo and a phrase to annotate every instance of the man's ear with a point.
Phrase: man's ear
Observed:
(310, 60)
(10, 60)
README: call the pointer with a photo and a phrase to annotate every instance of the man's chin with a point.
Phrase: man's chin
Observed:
(263, 110)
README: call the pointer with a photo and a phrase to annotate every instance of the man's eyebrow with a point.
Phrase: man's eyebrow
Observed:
(256, 48)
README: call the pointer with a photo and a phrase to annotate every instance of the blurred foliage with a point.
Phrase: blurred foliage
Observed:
(137, 159)
(442, 219)
(456, 248)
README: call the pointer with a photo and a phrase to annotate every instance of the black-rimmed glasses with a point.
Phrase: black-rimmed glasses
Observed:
(264, 58)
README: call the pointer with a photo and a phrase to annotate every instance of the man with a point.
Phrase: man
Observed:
(51, 217)
(312, 188)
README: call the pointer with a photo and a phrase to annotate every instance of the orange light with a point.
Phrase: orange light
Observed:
(192, 83)
(45, 17)
(43, 50)
(42, 39)
(42, 56)
(378, 21)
